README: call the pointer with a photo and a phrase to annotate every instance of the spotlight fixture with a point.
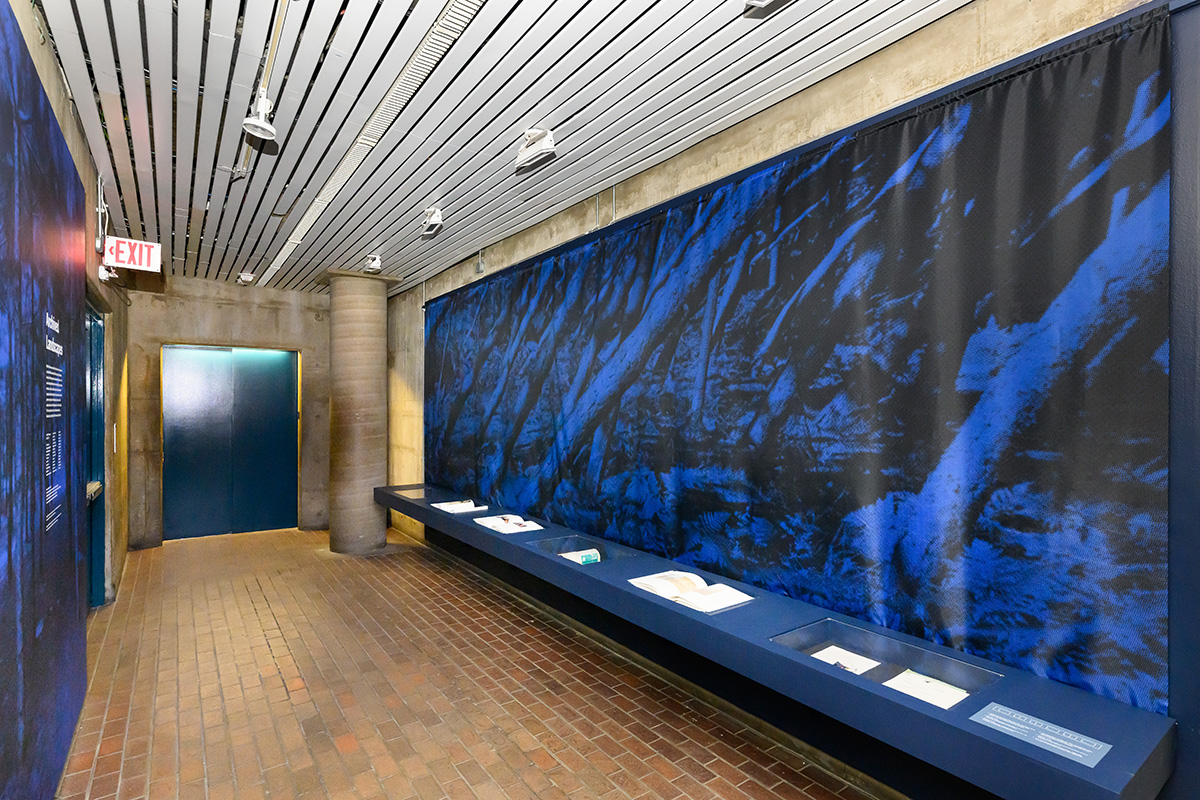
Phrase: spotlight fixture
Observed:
(374, 264)
(537, 147)
(245, 278)
(256, 124)
(432, 222)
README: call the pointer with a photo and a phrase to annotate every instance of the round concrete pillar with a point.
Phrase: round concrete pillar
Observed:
(358, 411)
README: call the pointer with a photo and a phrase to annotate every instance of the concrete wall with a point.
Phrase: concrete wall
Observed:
(974, 38)
(106, 298)
(198, 311)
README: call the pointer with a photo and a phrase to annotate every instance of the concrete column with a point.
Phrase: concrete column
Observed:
(358, 410)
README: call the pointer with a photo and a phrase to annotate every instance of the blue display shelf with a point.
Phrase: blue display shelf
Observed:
(770, 641)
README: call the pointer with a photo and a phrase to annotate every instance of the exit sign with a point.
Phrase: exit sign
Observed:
(132, 254)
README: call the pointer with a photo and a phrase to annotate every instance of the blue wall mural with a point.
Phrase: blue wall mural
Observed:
(43, 601)
(918, 375)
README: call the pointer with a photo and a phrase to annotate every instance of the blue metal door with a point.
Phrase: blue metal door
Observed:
(97, 553)
(230, 440)
(265, 440)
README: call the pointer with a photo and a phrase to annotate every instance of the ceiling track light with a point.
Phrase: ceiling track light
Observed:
(257, 124)
(537, 147)
(245, 278)
(432, 222)
(374, 264)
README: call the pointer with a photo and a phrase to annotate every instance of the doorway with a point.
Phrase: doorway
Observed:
(97, 555)
(231, 423)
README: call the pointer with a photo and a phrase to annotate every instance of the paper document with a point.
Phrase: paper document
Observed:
(846, 659)
(508, 523)
(669, 584)
(716, 597)
(691, 590)
(589, 556)
(458, 506)
(923, 687)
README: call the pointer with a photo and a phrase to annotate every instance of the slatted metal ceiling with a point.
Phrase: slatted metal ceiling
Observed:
(162, 87)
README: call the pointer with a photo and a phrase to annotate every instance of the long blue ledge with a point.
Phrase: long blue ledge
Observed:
(1136, 768)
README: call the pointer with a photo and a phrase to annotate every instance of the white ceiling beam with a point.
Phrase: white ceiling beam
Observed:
(94, 19)
(223, 16)
(127, 23)
(60, 18)
(188, 54)
(160, 52)
(256, 26)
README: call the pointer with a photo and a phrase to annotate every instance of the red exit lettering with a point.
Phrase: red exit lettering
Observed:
(132, 254)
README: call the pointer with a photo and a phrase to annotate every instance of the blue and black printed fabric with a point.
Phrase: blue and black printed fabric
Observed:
(43, 600)
(918, 376)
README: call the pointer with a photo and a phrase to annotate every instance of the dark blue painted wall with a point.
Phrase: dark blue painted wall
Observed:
(43, 597)
(918, 375)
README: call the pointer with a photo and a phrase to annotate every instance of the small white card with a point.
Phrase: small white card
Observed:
(846, 659)
(923, 687)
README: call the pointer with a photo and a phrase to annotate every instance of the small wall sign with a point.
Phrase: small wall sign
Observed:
(132, 254)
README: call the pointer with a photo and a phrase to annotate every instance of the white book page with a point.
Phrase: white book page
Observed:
(716, 597)
(846, 659)
(508, 523)
(669, 584)
(923, 687)
(458, 506)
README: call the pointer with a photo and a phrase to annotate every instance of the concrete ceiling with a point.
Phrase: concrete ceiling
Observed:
(386, 107)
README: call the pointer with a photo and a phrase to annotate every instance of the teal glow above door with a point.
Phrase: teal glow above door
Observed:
(230, 439)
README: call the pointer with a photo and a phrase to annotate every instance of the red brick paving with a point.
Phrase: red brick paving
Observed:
(259, 666)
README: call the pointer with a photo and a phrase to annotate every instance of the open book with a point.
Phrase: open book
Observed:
(691, 590)
(508, 523)
(458, 506)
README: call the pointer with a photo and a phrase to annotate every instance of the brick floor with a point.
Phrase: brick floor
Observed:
(262, 666)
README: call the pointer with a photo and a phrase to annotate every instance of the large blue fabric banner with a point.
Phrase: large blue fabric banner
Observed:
(918, 375)
(43, 599)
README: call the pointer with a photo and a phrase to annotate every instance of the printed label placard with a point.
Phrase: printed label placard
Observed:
(1046, 735)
